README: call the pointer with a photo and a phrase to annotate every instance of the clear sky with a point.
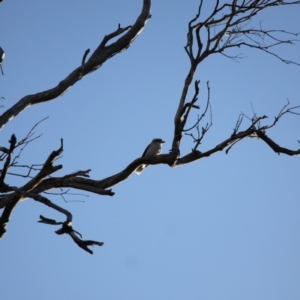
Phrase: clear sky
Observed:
(225, 227)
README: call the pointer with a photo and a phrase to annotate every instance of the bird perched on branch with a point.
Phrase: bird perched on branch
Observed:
(153, 149)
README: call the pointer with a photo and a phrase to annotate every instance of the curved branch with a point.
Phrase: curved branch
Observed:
(66, 226)
(100, 55)
(278, 149)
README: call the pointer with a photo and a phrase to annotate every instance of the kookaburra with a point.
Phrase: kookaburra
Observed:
(153, 149)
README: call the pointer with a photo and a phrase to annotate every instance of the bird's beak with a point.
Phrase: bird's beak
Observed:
(162, 141)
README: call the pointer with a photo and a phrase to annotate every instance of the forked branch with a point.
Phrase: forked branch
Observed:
(225, 28)
(100, 55)
(229, 25)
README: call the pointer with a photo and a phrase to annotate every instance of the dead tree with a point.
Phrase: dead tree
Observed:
(226, 27)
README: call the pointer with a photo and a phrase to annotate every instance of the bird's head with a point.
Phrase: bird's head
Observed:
(158, 141)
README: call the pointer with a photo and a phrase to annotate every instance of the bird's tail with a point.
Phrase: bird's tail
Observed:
(139, 169)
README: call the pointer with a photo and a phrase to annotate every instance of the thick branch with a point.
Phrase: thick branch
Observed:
(12, 141)
(100, 55)
(278, 149)
(84, 184)
(178, 129)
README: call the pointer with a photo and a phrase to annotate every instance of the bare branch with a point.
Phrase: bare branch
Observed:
(12, 141)
(68, 229)
(254, 130)
(87, 51)
(283, 111)
(33, 167)
(225, 28)
(67, 192)
(278, 149)
(100, 55)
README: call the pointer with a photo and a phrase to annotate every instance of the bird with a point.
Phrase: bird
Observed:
(153, 149)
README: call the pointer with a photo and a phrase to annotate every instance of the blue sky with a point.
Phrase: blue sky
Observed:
(225, 227)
